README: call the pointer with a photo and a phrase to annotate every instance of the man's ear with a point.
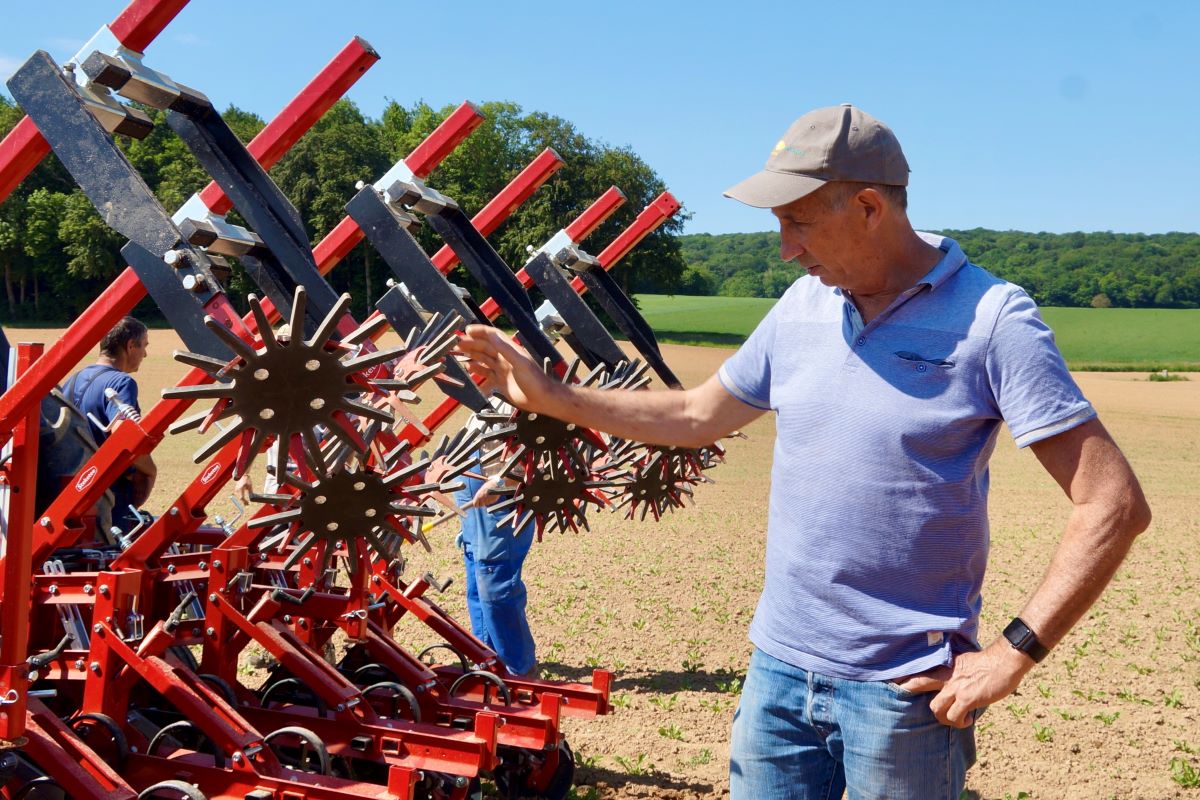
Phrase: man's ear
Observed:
(870, 205)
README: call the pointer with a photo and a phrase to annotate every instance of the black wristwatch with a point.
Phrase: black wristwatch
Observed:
(1022, 638)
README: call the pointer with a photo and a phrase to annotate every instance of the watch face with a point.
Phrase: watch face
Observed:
(1022, 638)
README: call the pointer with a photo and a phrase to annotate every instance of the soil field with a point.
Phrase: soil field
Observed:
(1114, 712)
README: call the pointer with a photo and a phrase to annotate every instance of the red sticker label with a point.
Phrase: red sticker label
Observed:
(85, 480)
(210, 473)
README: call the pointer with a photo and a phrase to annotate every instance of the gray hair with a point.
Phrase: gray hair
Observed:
(838, 193)
(125, 331)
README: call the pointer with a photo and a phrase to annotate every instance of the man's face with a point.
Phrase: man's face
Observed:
(137, 352)
(820, 237)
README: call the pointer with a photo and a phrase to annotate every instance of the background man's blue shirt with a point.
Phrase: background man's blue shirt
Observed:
(877, 532)
(86, 391)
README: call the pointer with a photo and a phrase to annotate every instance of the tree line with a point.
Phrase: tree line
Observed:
(1125, 270)
(56, 254)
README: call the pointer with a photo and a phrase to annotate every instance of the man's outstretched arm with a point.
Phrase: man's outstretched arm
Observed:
(1108, 512)
(690, 418)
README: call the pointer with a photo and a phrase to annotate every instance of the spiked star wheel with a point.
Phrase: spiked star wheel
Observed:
(287, 388)
(353, 507)
(530, 438)
(553, 495)
(657, 478)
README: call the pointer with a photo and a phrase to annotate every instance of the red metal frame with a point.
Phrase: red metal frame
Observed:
(21, 476)
(239, 599)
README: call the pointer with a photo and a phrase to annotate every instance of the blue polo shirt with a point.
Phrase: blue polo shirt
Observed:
(877, 534)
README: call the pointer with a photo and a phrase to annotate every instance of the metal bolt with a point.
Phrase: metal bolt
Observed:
(171, 569)
(217, 564)
(94, 667)
(460, 781)
(174, 512)
(341, 707)
(176, 258)
(287, 618)
(97, 628)
(308, 562)
(104, 589)
(33, 675)
(237, 758)
(194, 283)
(88, 588)
(44, 522)
(53, 588)
(203, 565)
(212, 598)
(210, 631)
(78, 663)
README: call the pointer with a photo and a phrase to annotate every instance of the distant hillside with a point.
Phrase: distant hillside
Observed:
(1126, 270)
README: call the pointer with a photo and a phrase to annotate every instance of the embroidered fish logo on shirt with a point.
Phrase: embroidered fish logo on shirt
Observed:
(937, 362)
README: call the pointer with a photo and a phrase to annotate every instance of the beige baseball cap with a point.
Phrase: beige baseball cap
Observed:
(839, 143)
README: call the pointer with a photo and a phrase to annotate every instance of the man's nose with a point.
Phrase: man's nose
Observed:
(789, 248)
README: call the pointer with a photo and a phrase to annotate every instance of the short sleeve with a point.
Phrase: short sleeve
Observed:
(127, 392)
(747, 373)
(1033, 389)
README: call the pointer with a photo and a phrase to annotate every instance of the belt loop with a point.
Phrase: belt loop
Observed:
(808, 703)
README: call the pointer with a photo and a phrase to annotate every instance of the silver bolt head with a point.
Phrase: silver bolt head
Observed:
(194, 283)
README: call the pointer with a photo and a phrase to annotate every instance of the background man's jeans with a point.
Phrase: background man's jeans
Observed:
(798, 734)
(496, 594)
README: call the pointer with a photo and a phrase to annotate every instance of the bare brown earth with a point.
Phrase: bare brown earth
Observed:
(666, 606)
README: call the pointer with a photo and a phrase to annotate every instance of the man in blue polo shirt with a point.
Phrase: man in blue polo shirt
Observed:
(890, 368)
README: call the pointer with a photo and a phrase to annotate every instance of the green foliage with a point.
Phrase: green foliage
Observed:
(51, 238)
(1096, 270)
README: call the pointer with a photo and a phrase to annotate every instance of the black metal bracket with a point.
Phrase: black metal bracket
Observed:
(402, 316)
(495, 276)
(102, 171)
(287, 256)
(588, 337)
(626, 316)
(181, 307)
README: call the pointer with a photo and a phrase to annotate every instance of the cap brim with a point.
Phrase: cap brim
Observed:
(768, 189)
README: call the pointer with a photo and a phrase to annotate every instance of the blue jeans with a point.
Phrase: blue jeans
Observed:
(802, 735)
(492, 560)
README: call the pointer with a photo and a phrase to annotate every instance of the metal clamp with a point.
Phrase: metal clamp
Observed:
(413, 193)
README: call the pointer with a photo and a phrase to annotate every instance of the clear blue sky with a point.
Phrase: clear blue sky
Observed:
(1032, 116)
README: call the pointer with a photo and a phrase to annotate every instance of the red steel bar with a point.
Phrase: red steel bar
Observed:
(579, 229)
(143, 20)
(506, 202)
(25, 147)
(298, 116)
(421, 161)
